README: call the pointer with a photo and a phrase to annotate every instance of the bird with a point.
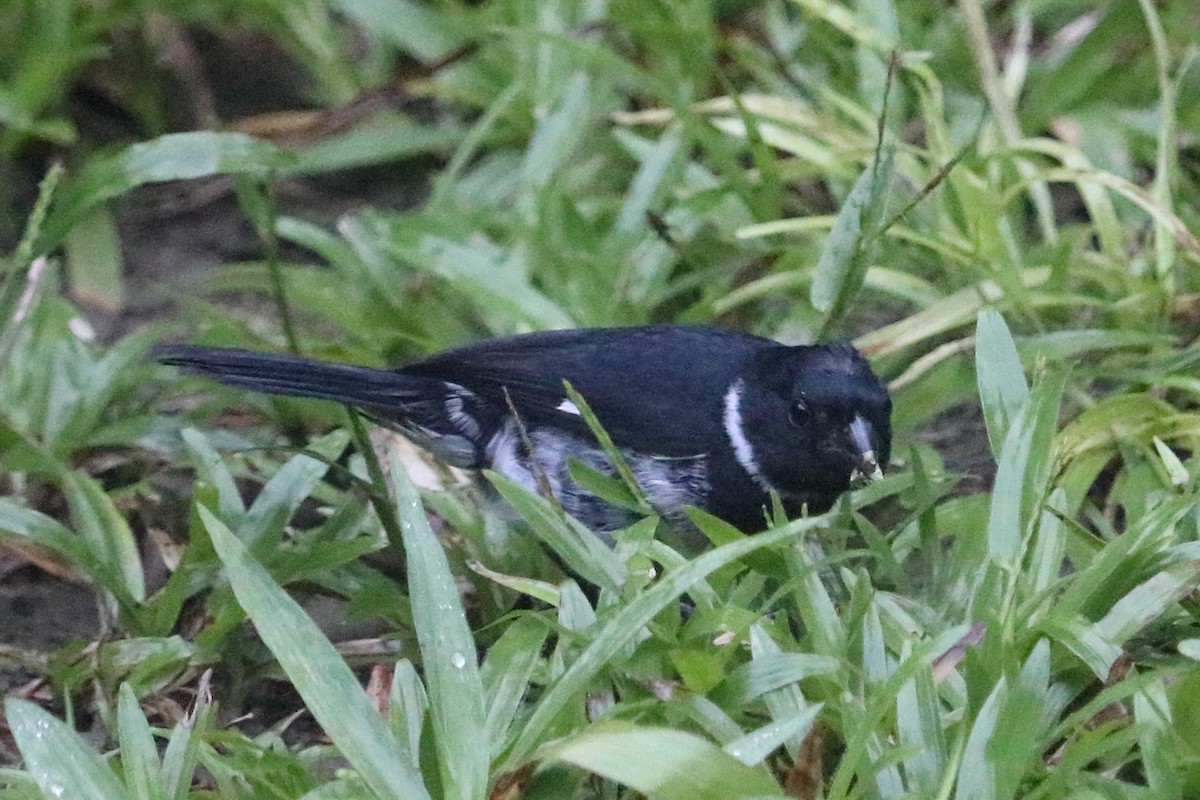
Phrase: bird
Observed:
(704, 417)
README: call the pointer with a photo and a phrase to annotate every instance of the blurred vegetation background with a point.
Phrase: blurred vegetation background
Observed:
(997, 202)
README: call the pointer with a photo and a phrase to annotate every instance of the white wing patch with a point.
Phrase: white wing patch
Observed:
(567, 407)
(743, 451)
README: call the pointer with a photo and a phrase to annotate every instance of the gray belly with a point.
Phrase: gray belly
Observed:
(669, 484)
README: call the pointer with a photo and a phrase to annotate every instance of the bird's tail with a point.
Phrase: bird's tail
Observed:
(365, 387)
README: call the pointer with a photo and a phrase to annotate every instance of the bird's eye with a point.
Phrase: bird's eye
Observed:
(799, 414)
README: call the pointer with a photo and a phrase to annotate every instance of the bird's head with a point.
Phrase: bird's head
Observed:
(810, 420)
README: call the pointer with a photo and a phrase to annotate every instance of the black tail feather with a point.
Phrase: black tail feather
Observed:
(365, 387)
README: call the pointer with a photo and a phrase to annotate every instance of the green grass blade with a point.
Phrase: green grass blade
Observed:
(286, 490)
(658, 160)
(407, 709)
(919, 726)
(1167, 153)
(712, 719)
(575, 613)
(329, 688)
(951, 312)
(105, 380)
(506, 673)
(1081, 638)
(1003, 389)
(183, 746)
(826, 633)
(581, 549)
(754, 747)
(63, 766)
(876, 663)
(768, 672)
(841, 266)
(417, 29)
(1148, 601)
(383, 139)
(625, 626)
(106, 531)
(19, 785)
(212, 470)
(786, 701)
(1157, 736)
(541, 590)
(976, 777)
(1007, 734)
(664, 763)
(559, 131)
(1021, 727)
(492, 275)
(23, 453)
(1022, 468)
(139, 755)
(448, 651)
(93, 262)
(606, 443)
(1177, 471)
(175, 156)
(24, 526)
(608, 488)
(1046, 560)
(12, 289)
(1093, 585)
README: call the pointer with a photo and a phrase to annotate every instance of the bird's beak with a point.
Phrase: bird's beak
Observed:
(868, 466)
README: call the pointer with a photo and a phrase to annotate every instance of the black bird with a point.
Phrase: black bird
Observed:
(705, 417)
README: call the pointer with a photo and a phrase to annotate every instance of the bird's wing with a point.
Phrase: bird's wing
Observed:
(656, 389)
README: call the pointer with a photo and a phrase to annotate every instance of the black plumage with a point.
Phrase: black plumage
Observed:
(706, 417)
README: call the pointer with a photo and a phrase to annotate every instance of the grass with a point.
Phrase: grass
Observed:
(1008, 230)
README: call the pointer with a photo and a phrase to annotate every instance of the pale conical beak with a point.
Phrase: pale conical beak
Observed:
(860, 435)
